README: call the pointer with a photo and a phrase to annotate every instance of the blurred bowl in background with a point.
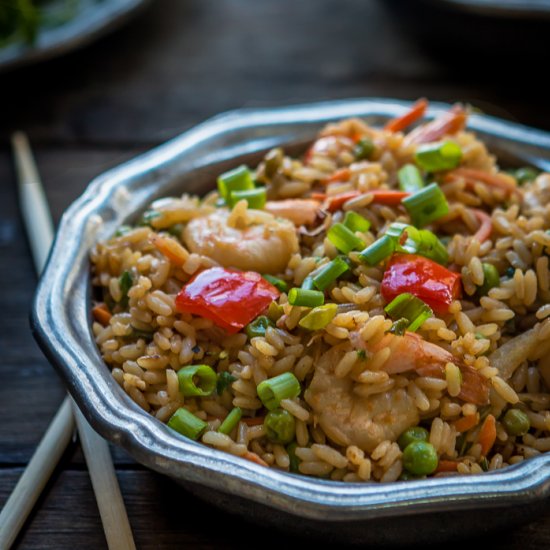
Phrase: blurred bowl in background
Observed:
(90, 20)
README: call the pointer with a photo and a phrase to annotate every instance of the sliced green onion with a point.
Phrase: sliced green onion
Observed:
(434, 157)
(279, 284)
(275, 311)
(230, 421)
(294, 465)
(307, 283)
(238, 179)
(197, 380)
(525, 174)
(273, 390)
(224, 379)
(343, 238)
(399, 327)
(307, 298)
(319, 317)
(410, 179)
(491, 278)
(280, 426)
(364, 149)
(258, 326)
(255, 198)
(125, 283)
(329, 273)
(187, 424)
(148, 217)
(426, 205)
(356, 222)
(379, 250)
(418, 241)
(122, 230)
(176, 230)
(411, 308)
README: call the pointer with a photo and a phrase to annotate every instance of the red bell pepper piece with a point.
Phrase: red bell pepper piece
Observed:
(425, 279)
(230, 298)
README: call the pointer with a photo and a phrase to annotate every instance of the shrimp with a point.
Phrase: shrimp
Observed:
(262, 243)
(412, 353)
(298, 211)
(350, 419)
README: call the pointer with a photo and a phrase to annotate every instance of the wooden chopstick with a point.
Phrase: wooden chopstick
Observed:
(117, 529)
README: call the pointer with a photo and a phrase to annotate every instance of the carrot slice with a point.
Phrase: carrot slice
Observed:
(473, 176)
(344, 174)
(253, 457)
(485, 225)
(337, 201)
(101, 314)
(487, 434)
(466, 422)
(446, 466)
(448, 123)
(256, 421)
(174, 251)
(412, 115)
(388, 196)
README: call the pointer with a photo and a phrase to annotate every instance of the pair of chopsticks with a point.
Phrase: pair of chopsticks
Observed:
(117, 529)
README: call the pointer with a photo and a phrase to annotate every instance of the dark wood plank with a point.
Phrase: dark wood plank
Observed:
(174, 66)
(164, 515)
(25, 375)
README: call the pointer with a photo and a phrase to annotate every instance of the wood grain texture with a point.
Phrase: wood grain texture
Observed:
(172, 67)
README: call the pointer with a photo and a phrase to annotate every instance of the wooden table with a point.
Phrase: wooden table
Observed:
(166, 71)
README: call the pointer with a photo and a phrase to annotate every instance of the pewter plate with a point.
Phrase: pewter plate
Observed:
(525, 9)
(92, 19)
(432, 509)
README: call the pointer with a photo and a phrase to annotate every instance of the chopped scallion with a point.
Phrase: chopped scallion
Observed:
(275, 311)
(329, 273)
(230, 421)
(125, 283)
(411, 308)
(122, 230)
(356, 222)
(273, 390)
(258, 326)
(197, 380)
(187, 424)
(255, 198)
(427, 205)
(223, 380)
(399, 327)
(377, 251)
(307, 283)
(238, 179)
(409, 178)
(434, 157)
(525, 174)
(319, 317)
(307, 298)
(279, 284)
(344, 239)
(418, 241)
(294, 465)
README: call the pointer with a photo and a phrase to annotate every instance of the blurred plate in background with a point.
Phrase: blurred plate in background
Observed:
(88, 20)
(501, 8)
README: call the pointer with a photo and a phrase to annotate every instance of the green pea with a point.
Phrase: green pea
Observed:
(420, 458)
(280, 426)
(516, 422)
(416, 433)
(364, 149)
(491, 278)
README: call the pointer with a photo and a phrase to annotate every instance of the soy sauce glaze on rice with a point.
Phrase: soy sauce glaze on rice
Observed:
(375, 310)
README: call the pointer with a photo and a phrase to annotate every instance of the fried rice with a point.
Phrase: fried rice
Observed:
(367, 394)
